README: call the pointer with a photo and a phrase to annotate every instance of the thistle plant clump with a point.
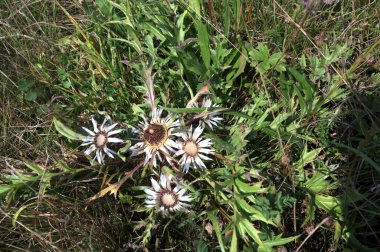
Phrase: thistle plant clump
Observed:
(160, 140)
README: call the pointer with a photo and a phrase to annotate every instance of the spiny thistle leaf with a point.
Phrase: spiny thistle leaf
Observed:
(212, 216)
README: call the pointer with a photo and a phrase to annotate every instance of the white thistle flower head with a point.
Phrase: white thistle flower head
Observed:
(156, 135)
(194, 149)
(99, 138)
(208, 117)
(164, 197)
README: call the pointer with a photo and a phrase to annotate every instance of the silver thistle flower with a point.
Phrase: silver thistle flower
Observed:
(194, 149)
(156, 136)
(99, 138)
(164, 197)
(208, 117)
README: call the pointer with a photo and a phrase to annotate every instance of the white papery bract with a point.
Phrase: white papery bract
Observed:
(99, 138)
(208, 117)
(156, 136)
(194, 149)
(164, 197)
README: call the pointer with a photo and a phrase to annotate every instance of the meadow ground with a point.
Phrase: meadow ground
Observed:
(290, 140)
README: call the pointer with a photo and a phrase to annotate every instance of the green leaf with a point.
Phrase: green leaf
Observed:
(280, 68)
(65, 167)
(337, 232)
(236, 8)
(275, 58)
(226, 17)
(246, 188)
(25, 84)
(124, 8)
(264, 248)
(212, 216)
(154, 31)
(104, 7)
(307, 88)
(67, 83)
(264, 51)
(204, 43)
(310, 156)
(31, 95)
(330, 204)
(191, 63)
(263, 66)
(234, 241)
(5, 188)
(195, 6)
(135, 43)
(201, 246)
(317, 183)
(257, 55)
(237, 68)
(238, 134)
(137, 110)
(254, 213)
(277, 122)
(15, 216)
(311, 208)
(251, 230)
(66, 131)
(35, 168)
(278, 240)
(303, 61)
(181, 27)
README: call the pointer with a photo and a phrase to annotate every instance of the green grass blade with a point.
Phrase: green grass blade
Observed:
(361, 154)
(212, 217)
